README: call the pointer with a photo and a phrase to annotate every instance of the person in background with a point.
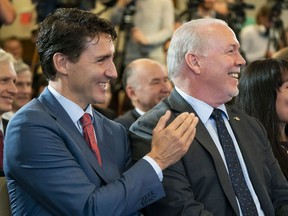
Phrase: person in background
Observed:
(14, 46)
(44, 7)
(201, 9)
(61, 156)
(230, 153)
(39, 84)
(281, 54)
(8, 91)
(24, 88)
(7, 12)
(152, 25)
(146, 83)
(263, 94)
(144, 26)
(256, 40)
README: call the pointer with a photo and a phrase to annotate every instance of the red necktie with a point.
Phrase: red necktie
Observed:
(1, 150)
(89, 135)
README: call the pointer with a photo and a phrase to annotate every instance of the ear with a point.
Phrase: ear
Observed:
(192, 62)
(60, 63)
(130, 92)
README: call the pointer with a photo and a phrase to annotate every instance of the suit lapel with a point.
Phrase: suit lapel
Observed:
(106, 146)
(243, 138)
(178, 106)
(135, 115)
(249, 152)
(204, 138)
(64, 121)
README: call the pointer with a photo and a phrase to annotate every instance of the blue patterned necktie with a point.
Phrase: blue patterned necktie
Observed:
(241, 189)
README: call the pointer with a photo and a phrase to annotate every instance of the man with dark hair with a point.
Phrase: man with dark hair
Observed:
(64, 158)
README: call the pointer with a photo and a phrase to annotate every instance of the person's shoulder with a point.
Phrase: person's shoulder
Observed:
(126, 115)
(149, 120)
(243, 118)
(30, 107)
(249, 29)
(127, 118)
(107, 123)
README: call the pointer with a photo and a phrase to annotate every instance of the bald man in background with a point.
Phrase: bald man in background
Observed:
(146, 83)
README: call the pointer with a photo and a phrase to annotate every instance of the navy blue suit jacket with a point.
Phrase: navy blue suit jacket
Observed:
(50, 169)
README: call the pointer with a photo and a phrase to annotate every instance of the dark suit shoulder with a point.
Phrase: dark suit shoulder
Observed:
(128, 118)
(140, 132)
(245, 120)
(146, 123)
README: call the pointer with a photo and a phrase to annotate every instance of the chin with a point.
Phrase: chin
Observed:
(99, 101)
(234, 93)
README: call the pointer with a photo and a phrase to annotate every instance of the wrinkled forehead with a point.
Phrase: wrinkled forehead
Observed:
(222, 36)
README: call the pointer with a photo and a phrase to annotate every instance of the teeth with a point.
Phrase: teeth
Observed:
(103, 85)
(234, 75)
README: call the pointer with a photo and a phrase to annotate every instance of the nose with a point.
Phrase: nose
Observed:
(166, 86)
(12, 88)
(111, 72)
(240, 61)
(27, 89)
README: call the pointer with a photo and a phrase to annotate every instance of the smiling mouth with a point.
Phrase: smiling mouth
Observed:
(234, 75)
(103, 85)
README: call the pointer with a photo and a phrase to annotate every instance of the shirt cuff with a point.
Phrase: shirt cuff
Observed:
(155, 166)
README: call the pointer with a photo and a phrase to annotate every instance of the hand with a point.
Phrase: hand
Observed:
(138, 36)
(170, 143)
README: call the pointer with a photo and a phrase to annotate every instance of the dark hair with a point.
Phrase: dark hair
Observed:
(264, 11)
(258, 88)
(67, 31)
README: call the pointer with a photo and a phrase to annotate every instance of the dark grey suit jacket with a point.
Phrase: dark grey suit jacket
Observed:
(128, 118)
(198, 184)
(51, 170)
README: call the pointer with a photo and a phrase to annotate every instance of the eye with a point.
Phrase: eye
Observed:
(5, 80)
(100, 60)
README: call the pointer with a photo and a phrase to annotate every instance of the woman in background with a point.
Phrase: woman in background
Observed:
(263, 94)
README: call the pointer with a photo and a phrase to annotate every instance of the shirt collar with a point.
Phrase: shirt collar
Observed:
(74, 110)
(202, 109)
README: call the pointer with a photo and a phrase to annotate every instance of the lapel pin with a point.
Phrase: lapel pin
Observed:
(236, 118)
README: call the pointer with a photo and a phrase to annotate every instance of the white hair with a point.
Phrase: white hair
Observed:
(192, 36)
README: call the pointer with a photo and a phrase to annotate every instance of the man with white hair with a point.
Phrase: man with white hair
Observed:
(7, 92)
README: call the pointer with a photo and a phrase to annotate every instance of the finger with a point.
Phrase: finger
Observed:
(190, 133)
(185, 129)
(162, 121)
(184, 118)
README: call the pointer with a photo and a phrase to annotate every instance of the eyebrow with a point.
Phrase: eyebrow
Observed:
(104, 56)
